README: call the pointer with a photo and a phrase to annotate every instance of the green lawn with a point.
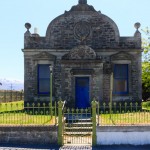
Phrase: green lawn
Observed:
(127, 118)
(130, 118)
(25, 119)
(13, 113)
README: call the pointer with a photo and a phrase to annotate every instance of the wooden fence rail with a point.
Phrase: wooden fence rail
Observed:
(11, 96)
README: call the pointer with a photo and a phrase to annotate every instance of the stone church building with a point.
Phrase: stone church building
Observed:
(84, 47)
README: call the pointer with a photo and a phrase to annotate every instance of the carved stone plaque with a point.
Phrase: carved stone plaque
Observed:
(82, 30)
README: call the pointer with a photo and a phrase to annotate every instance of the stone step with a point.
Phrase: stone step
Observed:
(77, 116)
(79, 124)
(82, 134)
(78, 130)
(70, 120)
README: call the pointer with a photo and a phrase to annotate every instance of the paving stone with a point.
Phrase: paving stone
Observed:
(76, 148)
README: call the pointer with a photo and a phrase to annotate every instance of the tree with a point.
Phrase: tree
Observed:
(146, 65)
(146, 45)
(145, 80)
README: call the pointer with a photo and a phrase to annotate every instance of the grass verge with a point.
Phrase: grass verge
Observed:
(130, 118)
(13, 113)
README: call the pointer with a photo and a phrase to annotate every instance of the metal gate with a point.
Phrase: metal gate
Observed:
(77, 127)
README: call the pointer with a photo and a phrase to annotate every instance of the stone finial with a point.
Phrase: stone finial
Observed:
(27, 26)
(82, 1)
(137, 25)
(137, 34)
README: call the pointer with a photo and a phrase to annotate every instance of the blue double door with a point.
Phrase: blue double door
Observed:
(82, 92)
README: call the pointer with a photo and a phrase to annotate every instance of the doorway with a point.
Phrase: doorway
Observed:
(82, 96)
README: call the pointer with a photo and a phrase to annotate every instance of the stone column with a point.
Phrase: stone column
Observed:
(106, 81)
(57, 78)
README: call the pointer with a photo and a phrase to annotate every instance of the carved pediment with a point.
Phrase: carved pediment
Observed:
(81, 52)
(122, 56)
(43, 55)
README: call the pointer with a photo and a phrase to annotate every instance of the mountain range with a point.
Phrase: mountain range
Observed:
(11, 84)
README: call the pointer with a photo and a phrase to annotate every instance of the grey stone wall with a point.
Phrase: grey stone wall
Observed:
(106, 87)
(63, 79)
(136, 78)
(29, 82)
(37, 135)
(57, 79)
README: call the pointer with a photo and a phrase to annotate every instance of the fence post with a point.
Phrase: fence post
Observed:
(5, 97)
(20, 95)
(60, 123)
(16, 96)
(10, 96)
(94, 103)
(55, 114)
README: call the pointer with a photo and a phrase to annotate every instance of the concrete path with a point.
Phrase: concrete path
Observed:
(28, 147)
(122, 147)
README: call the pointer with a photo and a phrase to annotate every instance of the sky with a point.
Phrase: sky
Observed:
(15, 13)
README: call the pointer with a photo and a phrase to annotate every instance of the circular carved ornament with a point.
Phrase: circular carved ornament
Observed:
(82, 30)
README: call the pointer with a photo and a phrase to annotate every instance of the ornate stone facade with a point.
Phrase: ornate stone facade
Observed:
(82, 43)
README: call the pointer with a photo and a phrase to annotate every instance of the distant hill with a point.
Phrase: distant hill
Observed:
(8, 84)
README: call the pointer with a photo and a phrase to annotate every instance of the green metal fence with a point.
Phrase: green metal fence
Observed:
(123, 114)
(32, 114)
(75, 126)
(115, 114)
(10, 96)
